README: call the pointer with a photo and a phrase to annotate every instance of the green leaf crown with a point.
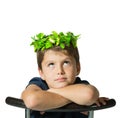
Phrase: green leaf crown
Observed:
(42, 41)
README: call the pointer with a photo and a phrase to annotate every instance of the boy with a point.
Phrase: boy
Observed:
(58, 66)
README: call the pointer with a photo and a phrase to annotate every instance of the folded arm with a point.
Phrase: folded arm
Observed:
(37, 99)
(78, 93)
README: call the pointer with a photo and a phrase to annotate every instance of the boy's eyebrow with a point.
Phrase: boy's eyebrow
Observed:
(52, 60)
(49, 61)
(68, 58)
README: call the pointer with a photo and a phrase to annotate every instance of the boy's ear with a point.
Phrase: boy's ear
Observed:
(78, 68)
(40, 73)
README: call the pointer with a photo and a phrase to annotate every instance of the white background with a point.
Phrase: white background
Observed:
(98, 22)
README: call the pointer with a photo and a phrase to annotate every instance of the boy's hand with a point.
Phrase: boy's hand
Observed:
(101, 101)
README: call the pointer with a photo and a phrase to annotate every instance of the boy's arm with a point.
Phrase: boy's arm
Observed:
(79, 93)
(37, 99)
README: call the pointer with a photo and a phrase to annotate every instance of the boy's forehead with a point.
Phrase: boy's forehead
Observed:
(50, 54)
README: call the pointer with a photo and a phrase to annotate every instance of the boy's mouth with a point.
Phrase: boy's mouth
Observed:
(60, 79)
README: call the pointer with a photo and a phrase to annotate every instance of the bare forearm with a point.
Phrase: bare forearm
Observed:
(43, 100)
(49, 100)
(78, 93)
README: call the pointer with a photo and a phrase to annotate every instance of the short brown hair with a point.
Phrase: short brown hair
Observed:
(72, 51)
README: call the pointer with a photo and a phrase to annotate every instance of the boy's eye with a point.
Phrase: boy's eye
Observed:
(50, 64)
(66, 62)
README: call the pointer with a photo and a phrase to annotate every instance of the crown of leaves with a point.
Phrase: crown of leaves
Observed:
(42, 41)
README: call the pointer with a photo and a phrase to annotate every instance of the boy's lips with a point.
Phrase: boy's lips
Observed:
(60, 79)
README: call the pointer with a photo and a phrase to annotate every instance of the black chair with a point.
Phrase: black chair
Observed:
(72, 107)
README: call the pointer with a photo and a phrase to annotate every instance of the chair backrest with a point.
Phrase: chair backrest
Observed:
(72, 107)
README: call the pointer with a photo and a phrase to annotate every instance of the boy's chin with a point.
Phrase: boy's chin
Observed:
(61, 86)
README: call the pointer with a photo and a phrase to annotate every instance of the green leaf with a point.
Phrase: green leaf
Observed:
(55, 34)
(40, 35)
(57, 41)
(62, 45)
(51, 40)
(48, 45)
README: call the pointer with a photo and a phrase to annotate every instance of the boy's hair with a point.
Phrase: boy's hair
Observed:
(71, 51)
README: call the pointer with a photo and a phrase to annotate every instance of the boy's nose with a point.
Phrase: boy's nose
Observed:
(60, 70)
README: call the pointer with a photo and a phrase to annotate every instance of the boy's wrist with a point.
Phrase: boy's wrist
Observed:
(52, 90)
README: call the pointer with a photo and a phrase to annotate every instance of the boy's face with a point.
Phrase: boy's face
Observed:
(58, 69)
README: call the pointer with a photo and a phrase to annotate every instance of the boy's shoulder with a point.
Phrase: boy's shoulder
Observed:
(78, 80)
(39, 82)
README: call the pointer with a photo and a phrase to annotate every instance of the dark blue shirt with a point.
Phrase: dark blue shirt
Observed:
(43, 85)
